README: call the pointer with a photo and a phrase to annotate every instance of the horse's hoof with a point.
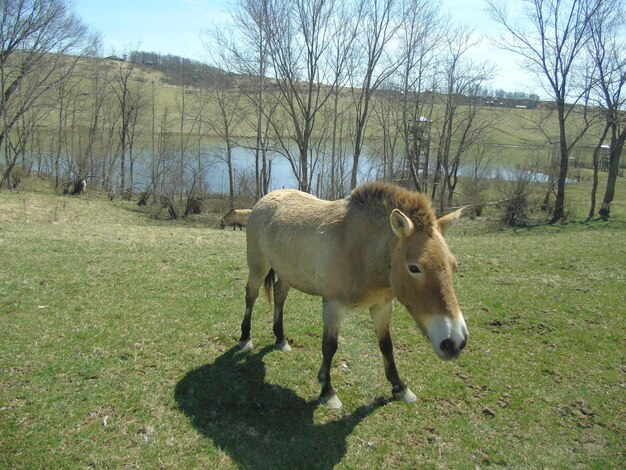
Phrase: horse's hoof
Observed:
(406, 395)
(283, 346)
(246, 345)
(333, 402)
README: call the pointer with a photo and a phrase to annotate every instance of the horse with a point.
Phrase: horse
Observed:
(381, 243)
(236, 218)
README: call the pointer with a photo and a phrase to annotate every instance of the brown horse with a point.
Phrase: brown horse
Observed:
(381, 243)
(236, 218)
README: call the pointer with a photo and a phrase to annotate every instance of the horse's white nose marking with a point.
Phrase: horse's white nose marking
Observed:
(451, 334)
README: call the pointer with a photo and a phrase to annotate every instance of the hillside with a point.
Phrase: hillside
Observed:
(513, 126)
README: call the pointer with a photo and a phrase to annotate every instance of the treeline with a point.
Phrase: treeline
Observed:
(178, 70)
(341, 72)
(319, 84)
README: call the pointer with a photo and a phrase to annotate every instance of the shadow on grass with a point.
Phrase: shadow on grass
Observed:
(258, 424)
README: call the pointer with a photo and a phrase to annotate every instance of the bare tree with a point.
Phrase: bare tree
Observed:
(243, 48)
(64, 98)
(474, 187)
(197, 164)
(164, 169)
(300, 32)
(191, 165)
(596, 165)
(388, 113)
(36, 38)
(110, 146)
(420, 35)
(608, 52)
(225, 124)
(99, 93)
(458, 127)
(130, 101)
(259, 15)
(162, 162)
(551, 45)
(20, 142)
(378, 20)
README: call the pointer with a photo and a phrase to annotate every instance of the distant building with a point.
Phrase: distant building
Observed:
(116, 58)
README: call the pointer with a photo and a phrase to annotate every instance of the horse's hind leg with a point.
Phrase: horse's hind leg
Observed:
(381, 314)
(332, 315)
(281, 289)
(252, 292)
(255, 279)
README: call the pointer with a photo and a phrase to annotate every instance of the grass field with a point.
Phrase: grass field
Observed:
(118, 335)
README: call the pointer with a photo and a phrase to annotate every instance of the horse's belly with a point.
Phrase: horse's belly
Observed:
(310, 264)
(300, 268)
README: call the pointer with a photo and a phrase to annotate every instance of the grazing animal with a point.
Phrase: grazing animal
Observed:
(381, 243)
(236, 218)
(76, 188)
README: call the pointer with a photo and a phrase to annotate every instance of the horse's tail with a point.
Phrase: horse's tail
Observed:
(270, 280)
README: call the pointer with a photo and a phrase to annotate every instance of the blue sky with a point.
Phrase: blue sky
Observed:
(174, 26)
(164, 26)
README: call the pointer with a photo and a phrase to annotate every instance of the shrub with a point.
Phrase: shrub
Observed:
(517, 198)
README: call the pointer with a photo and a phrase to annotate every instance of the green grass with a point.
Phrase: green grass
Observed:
(118, 335)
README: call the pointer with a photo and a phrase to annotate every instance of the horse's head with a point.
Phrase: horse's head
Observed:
(422, 269)
(222, 223)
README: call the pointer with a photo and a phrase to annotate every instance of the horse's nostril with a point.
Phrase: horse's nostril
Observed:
(462, 345)
(447, 345)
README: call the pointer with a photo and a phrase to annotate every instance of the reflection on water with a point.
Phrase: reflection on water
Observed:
(282, 171)
(507, 173)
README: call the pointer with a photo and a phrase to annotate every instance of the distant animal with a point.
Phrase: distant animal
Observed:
(81, 187)
(76, 188)
(381, 243)
(236, 218)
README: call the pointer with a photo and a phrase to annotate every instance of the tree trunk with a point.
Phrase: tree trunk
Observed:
(231, 180)
(358, 141)
(414, 161)
(304, 170)
(7, 177)
(259, 152)
(333, 163)
(614, 158)
(559, 204)
(594, 186)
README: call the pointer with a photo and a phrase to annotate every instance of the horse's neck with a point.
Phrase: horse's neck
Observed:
(379, 255)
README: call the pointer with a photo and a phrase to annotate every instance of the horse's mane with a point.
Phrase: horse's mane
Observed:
(229, 212)
(386, 196)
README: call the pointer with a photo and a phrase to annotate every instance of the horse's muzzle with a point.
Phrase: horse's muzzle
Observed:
(447, 336)
(450, 349)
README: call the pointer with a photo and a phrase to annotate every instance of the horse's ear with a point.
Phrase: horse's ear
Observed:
(402, 226)
(446, 222)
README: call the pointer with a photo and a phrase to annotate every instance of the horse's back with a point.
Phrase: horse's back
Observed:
(242, 215)
(291, 208)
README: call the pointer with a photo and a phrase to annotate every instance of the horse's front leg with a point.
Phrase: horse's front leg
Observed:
(381, 315)
(332, 315)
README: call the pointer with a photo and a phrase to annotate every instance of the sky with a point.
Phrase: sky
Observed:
(174, 27)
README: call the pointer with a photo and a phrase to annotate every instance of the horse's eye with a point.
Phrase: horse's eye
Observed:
(414, 269)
